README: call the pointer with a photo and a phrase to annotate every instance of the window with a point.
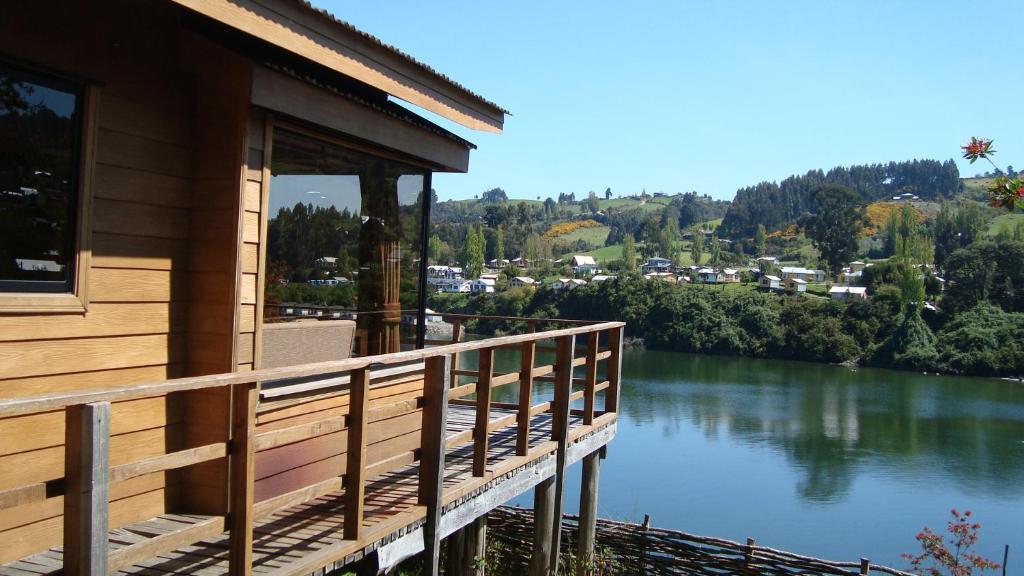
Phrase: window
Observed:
(344, 239)
(40, 191)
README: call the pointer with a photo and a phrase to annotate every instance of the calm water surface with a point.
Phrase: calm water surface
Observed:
(823, 460)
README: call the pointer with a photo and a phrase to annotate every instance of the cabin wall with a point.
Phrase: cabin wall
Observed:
(163, 270)
(254, 236)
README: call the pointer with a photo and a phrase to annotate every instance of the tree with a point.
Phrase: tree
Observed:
(436, 249)
(472, 256)
(499, 244)
(716, 249)
(495, 195)
(697, 245)
(629, 253)
(607, 193)
(760, 240)
(946, 237)
(836, 225)
(936, 558)
(592, 203)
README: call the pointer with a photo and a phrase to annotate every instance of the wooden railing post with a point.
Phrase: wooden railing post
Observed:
(86, 497)
(436, 382)
(865, 567)
(456, 336)
(242, 477)
(355, 468)
(614, 369)
(748, 556)
(483, 410)
(527, 356)
(590, 379)
(560, 433)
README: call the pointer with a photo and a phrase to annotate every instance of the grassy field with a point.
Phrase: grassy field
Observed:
(607, 253)
(596, 235)
(1004, 220)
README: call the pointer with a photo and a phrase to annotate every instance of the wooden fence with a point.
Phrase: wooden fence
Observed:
(627, 548)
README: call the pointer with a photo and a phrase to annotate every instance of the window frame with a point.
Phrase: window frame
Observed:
(76, 301)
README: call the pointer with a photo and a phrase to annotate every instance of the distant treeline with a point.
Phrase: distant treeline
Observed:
(776, 205)
(978, 330)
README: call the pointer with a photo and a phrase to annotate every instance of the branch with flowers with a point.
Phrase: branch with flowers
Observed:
(955, 559)
(1005, 192)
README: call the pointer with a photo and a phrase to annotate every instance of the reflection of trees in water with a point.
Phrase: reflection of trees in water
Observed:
(832, 422)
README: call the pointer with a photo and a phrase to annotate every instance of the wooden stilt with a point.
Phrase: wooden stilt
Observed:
(564, 351)
(474, 551)
(543, 522)
(453, 560)
(588, 512)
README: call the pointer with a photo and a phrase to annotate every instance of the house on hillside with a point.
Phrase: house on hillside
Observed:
(805, 274)
(496, 264)
(656, 264)
(601, 278)
(454, 286)
(663, 276)
(769, 282)
(521, 282)
(795, 286)
(520, 262)
(767, 263)
(482, 285)
(707, 276)
(326, 264)
(848, 293)
(567, 283)
(729, 276)
(583, 265)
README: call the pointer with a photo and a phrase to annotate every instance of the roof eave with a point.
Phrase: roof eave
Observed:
(299, 28)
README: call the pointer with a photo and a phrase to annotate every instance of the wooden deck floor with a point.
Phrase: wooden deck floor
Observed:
(308, 537)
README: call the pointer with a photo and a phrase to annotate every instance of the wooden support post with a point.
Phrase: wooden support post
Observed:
(529, 352)
(474, 549)
(456, 544)
(355, 468)
(543, 523)
(748, 556)
(86, 496)
(531, 326)
(560, 434)
(642, 560)
(483, 410)
(588, 512)
(242, 477)
(865, 567)
(613, 367)
(436, 382)
(590, 379)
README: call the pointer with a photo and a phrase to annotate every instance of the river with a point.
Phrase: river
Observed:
(822, 460)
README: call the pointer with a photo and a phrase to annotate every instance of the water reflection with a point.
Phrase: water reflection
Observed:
(832, 422)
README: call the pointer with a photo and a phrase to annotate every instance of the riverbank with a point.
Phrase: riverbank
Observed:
(879, 331)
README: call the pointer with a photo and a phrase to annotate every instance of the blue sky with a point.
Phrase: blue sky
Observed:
(712, 95)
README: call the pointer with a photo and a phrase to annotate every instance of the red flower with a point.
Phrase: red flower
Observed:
(977, 148)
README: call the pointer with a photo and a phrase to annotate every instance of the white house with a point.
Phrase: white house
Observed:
(805, 274)
(766, 261)
(665, 276)
(498, 264)
(564, 283)
(729, 276)
(482, 285)
(795, 286)
(769, 282)
(707, 276)
(583, 265)
(848, 292)
(454, 286)
(601, 277)
(446, 272)
(521, 281)
(326, 263)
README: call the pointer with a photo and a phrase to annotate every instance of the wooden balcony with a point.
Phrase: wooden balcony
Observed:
(383, 455)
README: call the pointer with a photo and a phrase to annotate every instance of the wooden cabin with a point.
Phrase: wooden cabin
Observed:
(165, 166)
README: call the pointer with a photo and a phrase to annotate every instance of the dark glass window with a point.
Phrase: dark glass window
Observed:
(344, 239)
(39, 128)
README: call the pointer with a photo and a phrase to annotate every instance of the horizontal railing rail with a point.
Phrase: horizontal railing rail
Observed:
(88, 472)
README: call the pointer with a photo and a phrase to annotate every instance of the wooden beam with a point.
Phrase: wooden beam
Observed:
(86, 500)
(527, 358)
(613, 369)
(355, 470)
(436, 382)
(560, 433)
(590, 379)
(483, 411)
(242, 478)
(474, 549)
(588, 512)
(543, 523)
(171, 461)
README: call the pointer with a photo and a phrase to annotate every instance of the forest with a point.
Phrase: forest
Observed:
(777, 205)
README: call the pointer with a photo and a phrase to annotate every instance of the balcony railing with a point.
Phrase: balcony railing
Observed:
(446, 439)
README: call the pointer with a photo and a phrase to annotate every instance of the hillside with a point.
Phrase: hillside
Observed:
(777, 205)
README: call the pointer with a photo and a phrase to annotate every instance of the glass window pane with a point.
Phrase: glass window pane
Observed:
(343, 239)
(38, 147)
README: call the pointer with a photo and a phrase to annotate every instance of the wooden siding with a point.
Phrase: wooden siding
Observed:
(140, 324)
